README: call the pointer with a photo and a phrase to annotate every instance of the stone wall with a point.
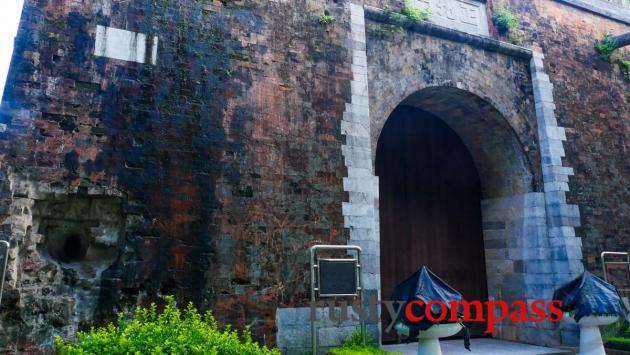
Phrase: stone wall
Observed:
(222, 145)
(591, 97)
(226, 137)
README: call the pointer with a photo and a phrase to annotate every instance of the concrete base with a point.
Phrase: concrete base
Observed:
(479, 347)
(590, 337)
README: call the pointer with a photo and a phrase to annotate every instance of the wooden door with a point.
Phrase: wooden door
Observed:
(430, 211)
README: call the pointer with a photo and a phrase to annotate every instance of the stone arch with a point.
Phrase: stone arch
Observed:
(504, 167)
(512, 205)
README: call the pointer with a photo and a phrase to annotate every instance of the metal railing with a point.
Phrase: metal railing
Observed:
(4, 253)
(606, 263)
(316, 282)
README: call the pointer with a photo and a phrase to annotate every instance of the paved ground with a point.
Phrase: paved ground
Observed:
(479, 347)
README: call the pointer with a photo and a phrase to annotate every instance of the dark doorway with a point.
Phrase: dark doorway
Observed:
(430, 212)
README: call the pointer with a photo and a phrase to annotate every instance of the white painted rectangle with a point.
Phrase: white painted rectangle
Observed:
(124, 45)
(463, 15)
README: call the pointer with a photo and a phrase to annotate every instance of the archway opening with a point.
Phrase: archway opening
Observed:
(457, 194)
(430, 206)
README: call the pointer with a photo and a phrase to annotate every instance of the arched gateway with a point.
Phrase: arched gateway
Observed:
(466, 168)
(440, 154)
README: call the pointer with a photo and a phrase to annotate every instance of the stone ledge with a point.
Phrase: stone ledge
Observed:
(428, 28)
(603, 8)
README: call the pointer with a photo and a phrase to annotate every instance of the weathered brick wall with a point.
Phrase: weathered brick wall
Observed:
(224, 160)
(227, 155)
(592, 102)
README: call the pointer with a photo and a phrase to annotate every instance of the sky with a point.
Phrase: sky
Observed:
(10, 11)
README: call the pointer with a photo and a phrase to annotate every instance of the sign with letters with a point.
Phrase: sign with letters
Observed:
(463, 15)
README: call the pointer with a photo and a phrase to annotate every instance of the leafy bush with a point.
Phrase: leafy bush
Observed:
(618, 343)
(358, 345)
(617, 335)
(414, 13)
(505, 19)
(614, 330)
(166, 333)
(606, 47)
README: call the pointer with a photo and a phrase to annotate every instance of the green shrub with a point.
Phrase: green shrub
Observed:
(606, 47)
(169, 332)
(414, 13)
(618, 343)
(326, 18)
(505, 19)
(617, 329)
(358, 345)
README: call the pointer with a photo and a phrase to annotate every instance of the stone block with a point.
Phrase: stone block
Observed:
(538, 266)
(556, 186)
(354, 129)
(495, 244)
(556, 197)
(371, 281)
(360, 197)
(358, 222)
(554, 132)
(367, 247)
(561, 232)
(359, 172)
(354, 209)
(359, 57)
(359, 69)
(352, 153)
(356, 141)
(358, 163)
(365, 184)
(358, 234)
(360, 100)
(499, 254)
(359, 112)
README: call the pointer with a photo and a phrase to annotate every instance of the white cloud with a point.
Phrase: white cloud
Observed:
(10, 11)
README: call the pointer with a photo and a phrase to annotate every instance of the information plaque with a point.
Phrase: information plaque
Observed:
(333, 276)
(337, 277)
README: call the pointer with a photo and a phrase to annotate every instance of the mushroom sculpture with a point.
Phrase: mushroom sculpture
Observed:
(425, 286)
(590, 302)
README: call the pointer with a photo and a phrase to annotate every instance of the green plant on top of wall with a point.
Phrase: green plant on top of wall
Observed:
(399, 20)
(415, 13)
(326, 18)
(605, 47)
(505, 19)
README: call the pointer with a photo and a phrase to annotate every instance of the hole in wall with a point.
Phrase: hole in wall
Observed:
(69, 246)
(81, 231)
(74, 249)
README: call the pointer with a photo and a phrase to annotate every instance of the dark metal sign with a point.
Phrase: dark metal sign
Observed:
(334, 278)
(337, 277)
